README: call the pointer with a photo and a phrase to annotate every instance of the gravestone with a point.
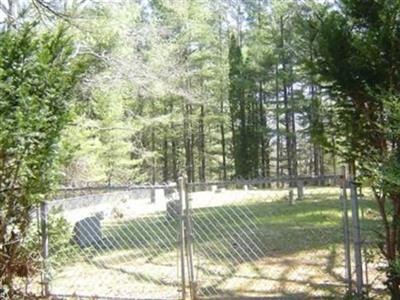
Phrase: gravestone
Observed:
(300, 190)
(218, 190)
(87, 232)
(292, 201)
(171, 193)
(173, 209)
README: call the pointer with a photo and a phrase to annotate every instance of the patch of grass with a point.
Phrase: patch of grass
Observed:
(312, 223)
(276, 227)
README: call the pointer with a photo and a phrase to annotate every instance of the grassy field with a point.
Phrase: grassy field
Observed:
(251, 247)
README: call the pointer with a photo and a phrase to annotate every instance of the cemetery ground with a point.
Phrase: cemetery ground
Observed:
(299, 250)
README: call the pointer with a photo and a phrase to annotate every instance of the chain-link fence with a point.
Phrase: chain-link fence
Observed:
(118, 242)
(363, 241)
(278, 238)
(27, 269)
(371, 272)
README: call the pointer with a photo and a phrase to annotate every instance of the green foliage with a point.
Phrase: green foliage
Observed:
(163, 82)
(38, 75)
(60, 236)
(353, 53)
(356, 52)
(164, 100)
(237, 108)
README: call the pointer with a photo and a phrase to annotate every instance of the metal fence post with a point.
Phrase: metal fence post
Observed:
(357, 238)
(346, 233)
(44, 211)
(181, 186)
(364, 248)
(189, 240)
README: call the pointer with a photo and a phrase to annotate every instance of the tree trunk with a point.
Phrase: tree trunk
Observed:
(153, 160)
(221, 101)
(202, 173)
(262, 129)
(191, 146)
(223, 149)
(165, 171)
(153, 150)
(293, 143)
(286, 105)
(268, 161)
(243, 157)
(316, 159)
(173, 150)
(334, 162)
(187, 142)
(174, 161)
(165, 160)
(277, 117)
(322, 165)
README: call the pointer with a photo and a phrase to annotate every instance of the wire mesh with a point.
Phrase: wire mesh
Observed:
(120, 244)
(374, 264)
(275, 240)
(28, 268)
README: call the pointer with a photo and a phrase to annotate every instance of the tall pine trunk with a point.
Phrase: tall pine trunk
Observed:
(174, 150)
(262, 129)
(165, 171)
(223, 144)
(293, 143)
(286, 103)
(191, 145)
(277, 120)
(202, 171)
(187, 141)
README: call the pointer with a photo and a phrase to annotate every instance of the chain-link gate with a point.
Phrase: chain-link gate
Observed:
(218, 240)
(279, 238)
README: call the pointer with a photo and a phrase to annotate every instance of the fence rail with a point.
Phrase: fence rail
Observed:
(116, 187)
(259, 181)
